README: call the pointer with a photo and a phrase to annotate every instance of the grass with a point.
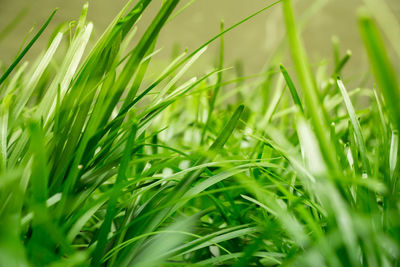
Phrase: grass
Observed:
(101, 165)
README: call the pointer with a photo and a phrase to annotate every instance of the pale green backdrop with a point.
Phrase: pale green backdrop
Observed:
(253, 42)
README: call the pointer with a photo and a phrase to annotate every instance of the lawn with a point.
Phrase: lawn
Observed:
(102, 164)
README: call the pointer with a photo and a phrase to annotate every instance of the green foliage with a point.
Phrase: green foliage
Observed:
(103, 165)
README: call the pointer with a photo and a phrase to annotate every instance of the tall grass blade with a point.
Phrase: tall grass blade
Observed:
(26, 49)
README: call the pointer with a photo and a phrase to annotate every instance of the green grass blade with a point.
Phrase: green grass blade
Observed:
(228, 129)
(357, 128)
(217, 85)
(312, 103)
(388, 21)
(292, 88)
(383, 70)
(111, 208)
(26, 49)
(394, 152)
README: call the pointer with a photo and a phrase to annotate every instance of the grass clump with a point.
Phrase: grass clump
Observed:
(102, 166)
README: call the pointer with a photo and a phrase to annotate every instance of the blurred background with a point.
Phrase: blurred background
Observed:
(253, 43)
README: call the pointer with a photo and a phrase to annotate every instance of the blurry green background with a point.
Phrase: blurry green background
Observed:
(253, 42)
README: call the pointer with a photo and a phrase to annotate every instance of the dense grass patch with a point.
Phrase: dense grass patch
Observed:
(101, 165)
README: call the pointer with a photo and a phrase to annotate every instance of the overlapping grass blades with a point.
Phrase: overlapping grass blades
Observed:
(103, 166)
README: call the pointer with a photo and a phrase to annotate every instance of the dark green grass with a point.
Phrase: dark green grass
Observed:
(101, 165)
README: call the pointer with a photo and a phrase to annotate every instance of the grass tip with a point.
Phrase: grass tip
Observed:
(364, 14)
(282, 68)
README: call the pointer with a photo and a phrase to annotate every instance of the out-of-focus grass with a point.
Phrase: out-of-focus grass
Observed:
(101, 165)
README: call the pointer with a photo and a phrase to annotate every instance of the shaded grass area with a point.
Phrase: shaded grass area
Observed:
(100, 166)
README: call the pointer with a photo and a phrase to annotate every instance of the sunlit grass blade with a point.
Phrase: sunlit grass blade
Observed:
(393, 158)
(313, 105)
(357, 128)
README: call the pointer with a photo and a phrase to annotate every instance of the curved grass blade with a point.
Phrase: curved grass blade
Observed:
(292, 88)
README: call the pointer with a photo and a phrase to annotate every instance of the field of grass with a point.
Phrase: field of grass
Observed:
(102, 164)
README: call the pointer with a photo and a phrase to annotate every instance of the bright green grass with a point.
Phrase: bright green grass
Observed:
(102, 166)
